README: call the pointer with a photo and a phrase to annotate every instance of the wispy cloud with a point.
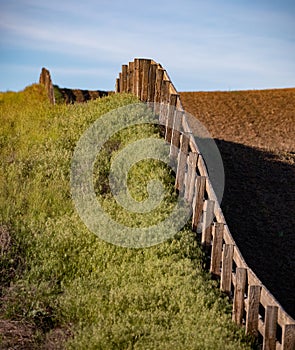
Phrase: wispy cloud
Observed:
(191, 38)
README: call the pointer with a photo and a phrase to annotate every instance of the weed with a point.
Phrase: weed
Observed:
(113, 297)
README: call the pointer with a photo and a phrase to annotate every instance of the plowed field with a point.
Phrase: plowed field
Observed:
(255, 133)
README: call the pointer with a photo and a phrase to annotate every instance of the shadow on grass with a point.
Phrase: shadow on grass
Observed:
(259, 207)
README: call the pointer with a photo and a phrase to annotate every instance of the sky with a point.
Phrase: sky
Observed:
(204, 45)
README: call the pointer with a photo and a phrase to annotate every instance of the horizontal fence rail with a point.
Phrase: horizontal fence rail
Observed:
(254, 307)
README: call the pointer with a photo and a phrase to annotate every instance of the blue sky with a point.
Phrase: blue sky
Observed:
(204, 45)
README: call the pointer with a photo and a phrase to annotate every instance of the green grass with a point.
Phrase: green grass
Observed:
(56, 273)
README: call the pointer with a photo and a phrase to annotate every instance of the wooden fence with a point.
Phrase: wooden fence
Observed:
(254, 307)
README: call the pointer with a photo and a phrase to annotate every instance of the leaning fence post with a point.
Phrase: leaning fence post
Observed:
(252, 310)
(200, 184)
(181, 165)
(238, 303)
(226, 271)
(270, 328)
(208, 215)
(216, 248)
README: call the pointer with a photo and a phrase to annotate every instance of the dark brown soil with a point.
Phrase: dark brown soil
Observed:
(21, 335)
(255, 133)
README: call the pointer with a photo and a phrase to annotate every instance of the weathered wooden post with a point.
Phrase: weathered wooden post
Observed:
(45, 79)
(145, 79)
(288, 337)
(170, 116)
(152, 83)
(208, 215)
(175, 139)
(270, 328)
(130, 77)
(252, 310)
(124, 78)
(192, 160)
(164, 104)
(117, 87)
(138, 77)
(238, 303)
(120, 82)
(181, 166)
(198, 201)
(158, 89)
(227, 264)
(216, 253)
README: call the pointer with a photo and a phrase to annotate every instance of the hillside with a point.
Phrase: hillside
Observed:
(255, 133)
(62, 286)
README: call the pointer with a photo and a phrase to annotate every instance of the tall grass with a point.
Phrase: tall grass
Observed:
(55, 273)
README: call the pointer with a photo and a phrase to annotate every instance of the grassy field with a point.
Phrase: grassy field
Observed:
(63, 287)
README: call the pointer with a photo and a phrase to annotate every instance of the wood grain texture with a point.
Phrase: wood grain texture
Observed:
(226, 272)
(208, 215)
(216, 254)
(238, 303)
(270, 328)
(198, 201)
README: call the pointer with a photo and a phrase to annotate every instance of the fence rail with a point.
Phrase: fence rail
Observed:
(254, 306)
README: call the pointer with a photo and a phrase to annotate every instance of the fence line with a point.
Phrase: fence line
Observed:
(253, 305)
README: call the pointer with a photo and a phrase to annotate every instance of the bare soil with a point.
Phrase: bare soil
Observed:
(255, 134)
(21, 335)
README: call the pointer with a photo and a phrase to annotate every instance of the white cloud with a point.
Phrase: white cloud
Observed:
(195, 38)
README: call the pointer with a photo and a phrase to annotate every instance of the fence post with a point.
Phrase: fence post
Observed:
(117, 87)
(130, 79)
(200, 184)
(124, 78)
(175, 138)
(121, 82)
(238, 303)
(208, 215)
(152, 83)
(135, 76)
(288, 337)
(138, 77)
(164, 103)
(145, 79)
(158, 88)
(158, 85)
(227, 264)
(181, 166)
(171, 111)
(252, 310)
(216, 248)
(192, 160)
(270, 328)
